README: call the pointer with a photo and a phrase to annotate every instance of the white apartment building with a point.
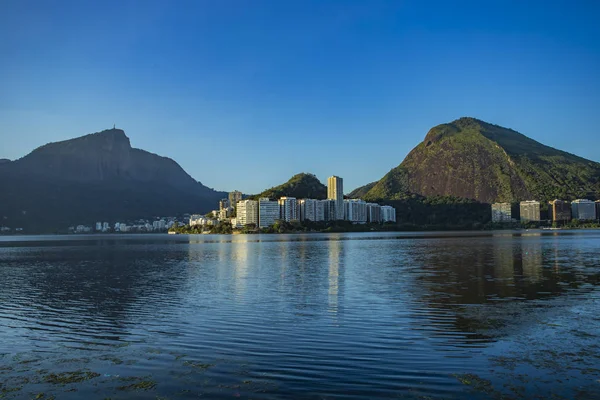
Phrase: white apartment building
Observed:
(335, 191)
(373, 213)
(247, 212)
(98, 226)
(288, 209)
(583, 210)
(307, 209)
(355, 211)
(319, 210)
(501, 212)
(201, 220)
(268, 212)
(388, 214)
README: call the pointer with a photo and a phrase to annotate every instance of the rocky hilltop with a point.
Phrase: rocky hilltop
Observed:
(96, 177)
(473, 159)
(301, 186)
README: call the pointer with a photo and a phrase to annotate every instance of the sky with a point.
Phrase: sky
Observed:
(245, 94)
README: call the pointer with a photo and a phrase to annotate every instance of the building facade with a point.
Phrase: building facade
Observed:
(234, 198)
(329, 213)
(598, 209)
(530, 210)
(223, 204)
(268, 212)
(583, 210)
(307, 209)
(388, 214)
(373, 213)
(355, 211)
(559, 210)
(335, 191)
(247, 212)
(501, 212)
(288, 209)
(319, 210)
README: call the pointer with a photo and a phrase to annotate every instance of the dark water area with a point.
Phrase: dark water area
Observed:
(317, 316)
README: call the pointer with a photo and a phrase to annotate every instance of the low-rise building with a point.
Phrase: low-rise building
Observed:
(559, 211)
(268, 212)
(388, 214)
(598, 209)
(583, 210)
(247, 212)
(501, 212)
(530, 210)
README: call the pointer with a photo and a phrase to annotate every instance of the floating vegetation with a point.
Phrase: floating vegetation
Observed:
(6, 390)
(114, 360)
(477, 383)
(41, 396)
(142, 385)
(197, 365)
(65, 378)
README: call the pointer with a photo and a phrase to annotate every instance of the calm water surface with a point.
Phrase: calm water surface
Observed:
(464, 315)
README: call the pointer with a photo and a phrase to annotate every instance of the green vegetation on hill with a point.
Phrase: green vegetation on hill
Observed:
(360, 192)
(472, 159)
(301, 186)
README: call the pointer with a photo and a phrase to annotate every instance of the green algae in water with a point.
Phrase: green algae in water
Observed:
(477, 383)
(65, 378)
(142, 385)
(197, 365)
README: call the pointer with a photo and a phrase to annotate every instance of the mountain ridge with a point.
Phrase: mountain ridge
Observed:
(127, 183)
(473, 159)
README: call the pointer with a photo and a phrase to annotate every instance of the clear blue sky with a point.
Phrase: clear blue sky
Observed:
(244, 94)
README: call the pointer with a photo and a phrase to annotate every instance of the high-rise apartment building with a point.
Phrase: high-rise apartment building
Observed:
(530, 210)
(501, 212)
(329, 213)
(335, 191)
(224, 203)
(307, 209)
(234, 198)
(288, 208)
(268, 212)
(583, 210)
(320, 210)
(559, 210)
(355, 211)
(247, 212)
(388, 214)
(373, 213)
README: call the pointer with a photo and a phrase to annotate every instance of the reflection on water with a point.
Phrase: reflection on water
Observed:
(334, 274)
(301, 316)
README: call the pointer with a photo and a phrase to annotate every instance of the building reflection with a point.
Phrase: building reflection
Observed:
(335, 253)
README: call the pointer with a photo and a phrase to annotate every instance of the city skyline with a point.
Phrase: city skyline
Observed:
(189, 78)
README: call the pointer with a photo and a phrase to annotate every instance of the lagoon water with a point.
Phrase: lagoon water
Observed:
(315, 316)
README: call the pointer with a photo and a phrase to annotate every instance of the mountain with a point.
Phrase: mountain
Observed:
(472, 159)
(301, 186)
(96, 177)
